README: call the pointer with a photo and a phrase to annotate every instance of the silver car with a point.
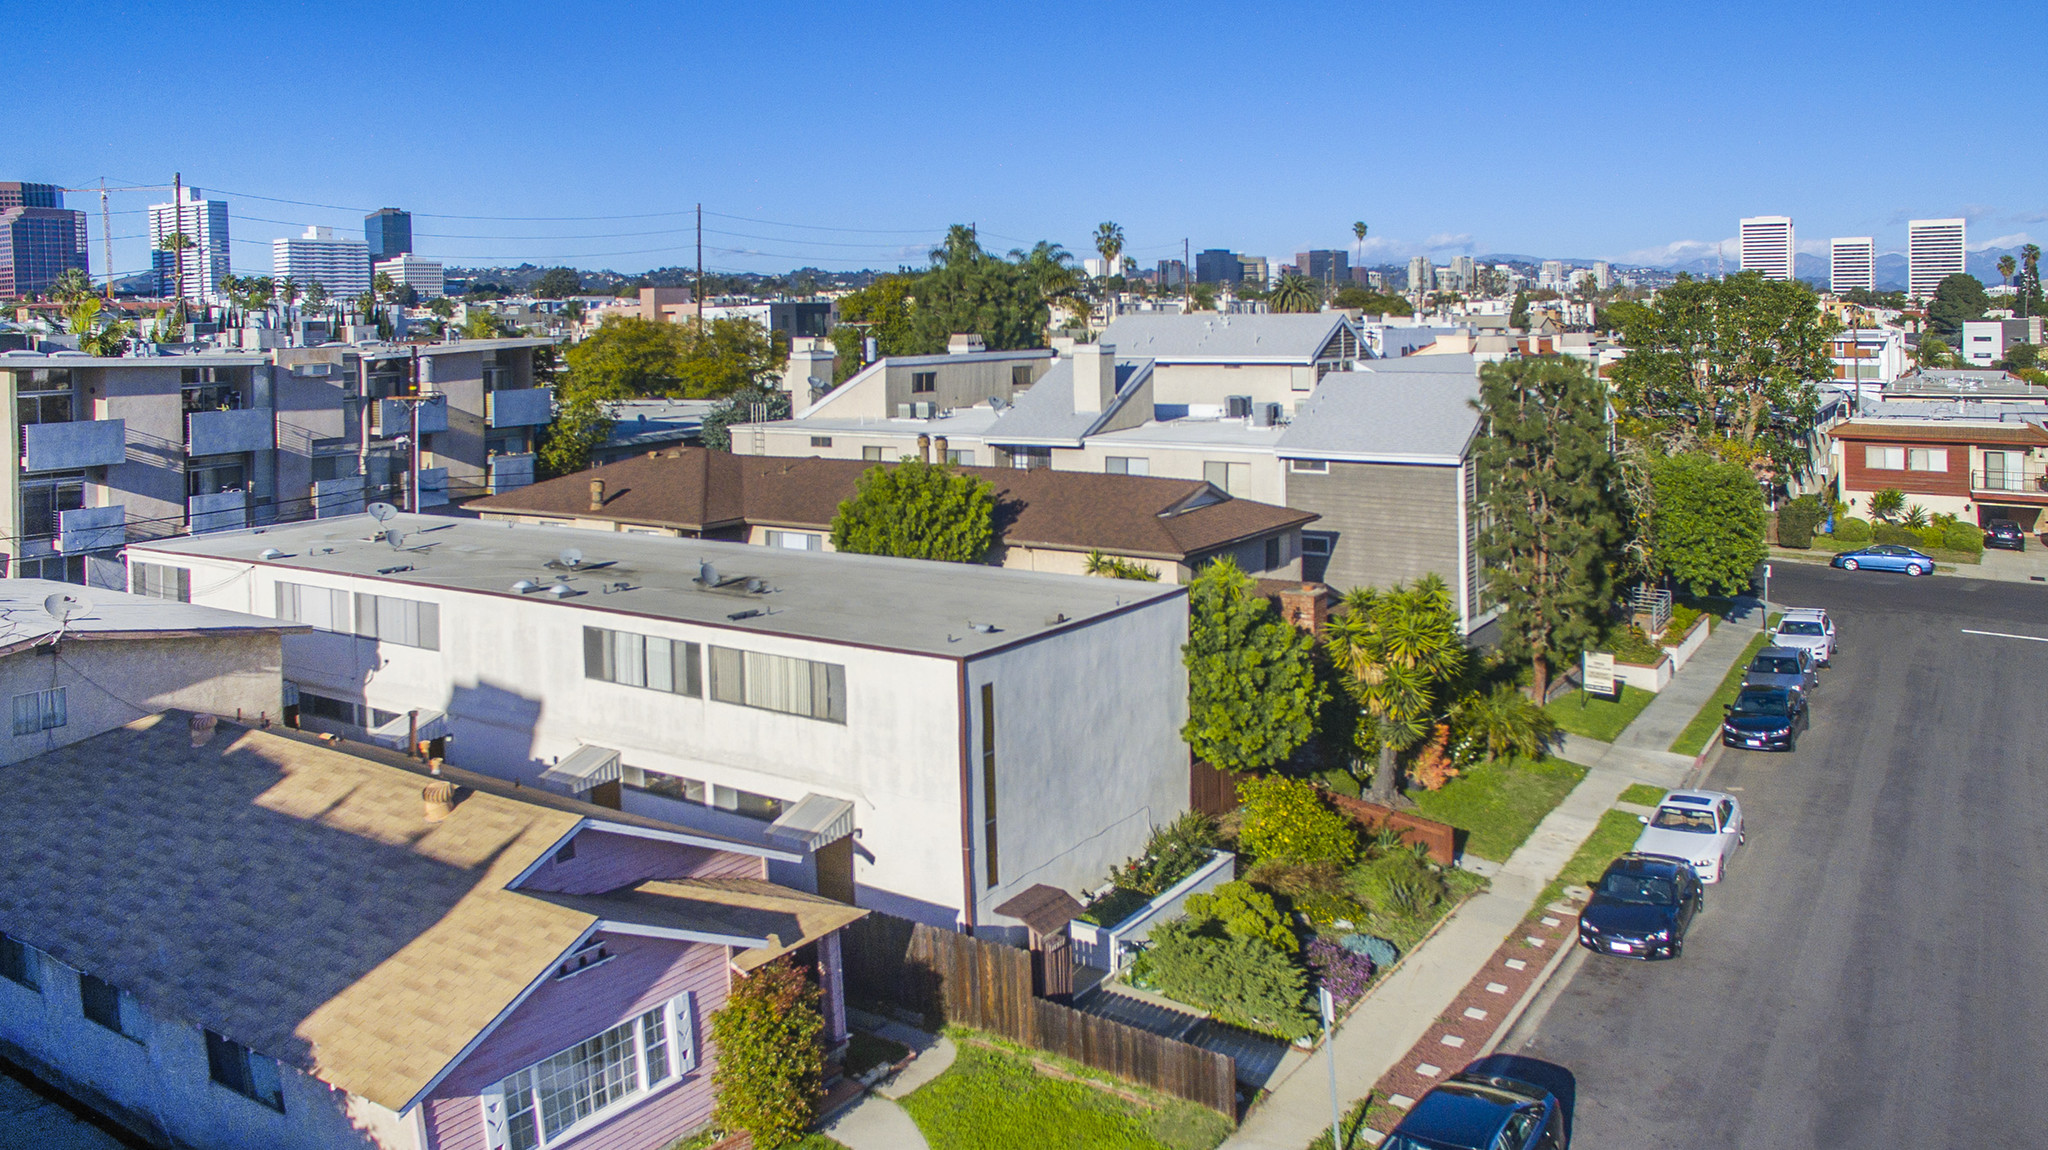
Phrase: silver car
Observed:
(1789, 667)
(1810, 628)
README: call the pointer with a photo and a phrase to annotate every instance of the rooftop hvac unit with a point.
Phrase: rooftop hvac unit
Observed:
(1265, 414)
(1237, 406)
(924, 410)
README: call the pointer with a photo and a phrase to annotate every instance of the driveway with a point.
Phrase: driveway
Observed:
(1875, 971)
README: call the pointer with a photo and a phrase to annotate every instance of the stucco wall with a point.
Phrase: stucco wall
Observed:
(108, 683)
(151, 484)
(1210, 383)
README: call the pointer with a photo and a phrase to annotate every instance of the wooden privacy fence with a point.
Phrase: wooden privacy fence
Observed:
(951, 978)
(1440, 838)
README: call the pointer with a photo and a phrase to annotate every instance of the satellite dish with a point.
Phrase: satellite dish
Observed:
(382, 512)
(65, 607)
(706, 573)
(571, 558)
(395, 538)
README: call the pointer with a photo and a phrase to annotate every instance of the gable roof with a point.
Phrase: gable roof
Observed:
(1045, 413)
(1202, 337)
(700, 490)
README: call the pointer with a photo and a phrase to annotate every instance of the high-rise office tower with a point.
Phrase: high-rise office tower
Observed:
(1767, 246)
(1216, 266)
(1329, 268)
(204, 263)
(341, 265)
(1421, 275)
(388, 231)
(1172, 273)
(1466, 271)
(39, 238)
(1257, 270)
(1852, 264)
(1934, 249)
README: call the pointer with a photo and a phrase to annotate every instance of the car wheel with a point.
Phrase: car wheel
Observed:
(1850, 565)
(1915, 569)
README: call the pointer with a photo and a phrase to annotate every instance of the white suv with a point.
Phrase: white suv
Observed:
(1810, 629)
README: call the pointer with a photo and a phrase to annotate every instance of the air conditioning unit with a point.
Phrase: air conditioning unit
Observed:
(1265, 414)
(1237, 406)
(903, 410)
(924, 410)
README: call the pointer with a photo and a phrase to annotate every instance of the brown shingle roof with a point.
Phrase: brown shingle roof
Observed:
(699, 490)
(2010, 433)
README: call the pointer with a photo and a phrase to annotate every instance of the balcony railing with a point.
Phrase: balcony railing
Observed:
(2017, 482)
(524, 407)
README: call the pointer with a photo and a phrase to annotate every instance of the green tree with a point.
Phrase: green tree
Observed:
(1886, 503)
(970, 290)
(1109, 244)
(1202, 297)
(1518, 314)
(1252, 689)
(1551, 518)
(2006, 266)
(1111, 567)
(71, 285)
(1371, 302)
(755, 404)
(627, 357)
(581, 423)
(558, 283)
(383, 286)
(771, 1055)
(481, 324)
(1708, 525)
(1284, 820)
(316, 297)
(725, 356)
(1399, 651)
(1737, 361)
(916, 510)
(1296, 293)
(1957, 300)
(880, 311)
(443, 307)
(1932, 352)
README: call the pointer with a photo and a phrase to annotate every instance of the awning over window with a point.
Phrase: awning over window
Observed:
(433, 725)
(815, 821)
(585, 767)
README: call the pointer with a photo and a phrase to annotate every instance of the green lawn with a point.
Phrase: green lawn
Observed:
(1643, 794)
(1595, 716)
(1616, 833)
(996, 1100)
(808, 1142)
(1697, 733)
(1497, 804)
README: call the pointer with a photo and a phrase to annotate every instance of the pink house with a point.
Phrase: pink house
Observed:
(231, 937)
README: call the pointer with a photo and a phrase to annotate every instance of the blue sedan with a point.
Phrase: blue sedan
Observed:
(1884, 557)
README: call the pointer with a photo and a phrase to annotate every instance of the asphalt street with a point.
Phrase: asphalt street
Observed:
(1874, 972)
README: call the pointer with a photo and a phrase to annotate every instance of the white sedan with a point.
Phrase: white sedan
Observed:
(1702, 828)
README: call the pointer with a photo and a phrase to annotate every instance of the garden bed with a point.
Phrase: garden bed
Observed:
(1498, 804)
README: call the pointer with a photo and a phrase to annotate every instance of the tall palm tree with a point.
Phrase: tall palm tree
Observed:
(288, 293)
(1109, 241)
(2030, 279)
(1296, 293)
(1399, 651)
(2006, 266)
(71, 285)
(1358, 230)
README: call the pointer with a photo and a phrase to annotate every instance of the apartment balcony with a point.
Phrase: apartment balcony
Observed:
(343, 496)
(392, 416)
(433, 487)
(221, 511)
(2029, 484)
(231, 432)
(69, 446)
(526, 407)
(509, 472)
(92, 529)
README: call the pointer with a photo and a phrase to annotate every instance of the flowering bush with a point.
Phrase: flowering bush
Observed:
(1344, 974)
(1433, 766)
(1285, 821)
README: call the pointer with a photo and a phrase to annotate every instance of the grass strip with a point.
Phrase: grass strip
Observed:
(1353, 1127)
(1497, 804)
(1597, 717)
(1616, 833)
(1643, 794)
(1707, 722)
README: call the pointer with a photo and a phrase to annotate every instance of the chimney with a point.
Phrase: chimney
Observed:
(1306, 607)
(438, 797)
(597, 495)
(939, 449)
(1094, 376)
(924, 448)
(811, 362)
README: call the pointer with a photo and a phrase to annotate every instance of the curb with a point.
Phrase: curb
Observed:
(1514, 1014)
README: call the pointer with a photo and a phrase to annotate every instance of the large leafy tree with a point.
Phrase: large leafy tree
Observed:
(1708, 526)
(1252, 688)
(970, 290)
(1957, 300)
(630, 358)
(1550, 514)
(917, 510)
(725, 356)
(747, 405)
(771, 1054)
(1732, 364)
(1400, 653)
(880, 311)
(558, 283)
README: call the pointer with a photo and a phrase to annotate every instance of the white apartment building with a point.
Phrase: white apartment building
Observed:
(1934, 250)
(1768, 246)
(205, 263)
(1868, 358)
(337, 263)
(1603, 275)
(950, 734)
(1551, 276)
(1852, 264)
(421, 275)
(1421, 274)
(1986, 341)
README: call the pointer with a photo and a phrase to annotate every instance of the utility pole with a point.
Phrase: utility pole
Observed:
(178, 231)
(107, 236)
(700, 265)
(1187, 273)
(412, 486)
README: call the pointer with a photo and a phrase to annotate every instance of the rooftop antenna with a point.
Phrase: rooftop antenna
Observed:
(571, 558)
(707, 575)
(64, 607)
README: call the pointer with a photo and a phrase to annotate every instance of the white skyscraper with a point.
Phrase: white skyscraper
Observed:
(421, 275)
(1934, 249)
(1421, 274)
(1852, 264)
(1767, 246)
(204, 223)
(339, 264)
(1603, 276)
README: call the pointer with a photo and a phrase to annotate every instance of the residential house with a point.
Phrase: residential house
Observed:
(1867, 359)
(1980, 460)
(932, 738)
(1986, 342)
(271, 943)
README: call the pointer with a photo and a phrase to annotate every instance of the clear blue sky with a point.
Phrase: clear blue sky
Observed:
(1593, 131)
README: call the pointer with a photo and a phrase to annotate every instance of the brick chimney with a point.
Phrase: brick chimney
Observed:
(1307, 607)
(597, 495)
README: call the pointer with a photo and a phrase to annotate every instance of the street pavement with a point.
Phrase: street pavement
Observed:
(1875, 970)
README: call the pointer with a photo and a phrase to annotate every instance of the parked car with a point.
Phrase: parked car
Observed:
(1789, 667)
(1884, 557)
(2005, 533)
(1642, 907)
(1698, 827)
(1477, 1110)
(1765, 719)
(1809, 629)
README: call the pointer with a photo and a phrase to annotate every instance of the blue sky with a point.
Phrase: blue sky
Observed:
(850, 135)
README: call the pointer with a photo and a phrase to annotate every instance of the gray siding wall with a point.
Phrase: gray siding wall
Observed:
(1390, 522)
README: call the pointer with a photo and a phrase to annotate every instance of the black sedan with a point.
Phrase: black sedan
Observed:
(2005, 533)
(1765, 719)
(1477, 1109)
(1642, 907)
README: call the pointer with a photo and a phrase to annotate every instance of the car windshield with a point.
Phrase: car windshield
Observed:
(1775, 665)
(1800, 627)
(1684, 819)
(1645, 889)
(1761, 703)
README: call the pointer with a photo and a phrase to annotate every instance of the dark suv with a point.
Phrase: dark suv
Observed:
(2005, 533)
(1641, 908)
(1479, 1110)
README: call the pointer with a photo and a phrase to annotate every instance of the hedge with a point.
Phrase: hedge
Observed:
(1852, 531)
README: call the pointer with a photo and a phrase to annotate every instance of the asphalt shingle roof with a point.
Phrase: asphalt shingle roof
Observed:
(1407, 414)
(1202, 336)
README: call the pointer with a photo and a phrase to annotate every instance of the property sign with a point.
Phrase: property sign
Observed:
(1598, 672)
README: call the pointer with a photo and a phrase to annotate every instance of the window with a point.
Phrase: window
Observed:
(39, 711)
(924, 382)
(1274, 551)
(547, 1102)
(796, 540)
(213, 474)
(960, 457)
(46, 498)
(871, 454)
(821, 441)
(1030, 458)
(158, 581)
(1884, 458)
(110, 1006)
(244, 1071)
(716, 796)
(20, 963)
(1309, 466)
(779, 683)
(1127, 465)
(403, 621)
(648, 661)
(57, 568)
(1927, 459)
(321, 607)
(317, 706)
(988, 778)
(1020, 377)
(1315, 544)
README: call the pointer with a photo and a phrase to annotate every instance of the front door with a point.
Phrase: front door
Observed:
(835, 870)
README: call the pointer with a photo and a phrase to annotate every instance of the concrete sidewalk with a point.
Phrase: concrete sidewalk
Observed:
(1673, 709)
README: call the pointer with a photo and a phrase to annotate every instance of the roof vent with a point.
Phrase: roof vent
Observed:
(526, 586)
(561, 590)
(270, 553)
(438, 797)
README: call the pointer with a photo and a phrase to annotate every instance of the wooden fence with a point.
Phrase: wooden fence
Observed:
(1211, 791)
(951, 978)
(1440, 838)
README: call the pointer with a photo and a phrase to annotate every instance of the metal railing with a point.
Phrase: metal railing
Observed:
(2027, 481)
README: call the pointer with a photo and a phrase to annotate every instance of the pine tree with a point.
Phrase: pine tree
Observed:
(1551, 520)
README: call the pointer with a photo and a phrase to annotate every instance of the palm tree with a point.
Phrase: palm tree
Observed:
(1109, 241)
(1296, 293)
(1398, 650)
(71, 285)
(1358, 230)
(2030, 281)
(1051, 269)
(2006, 266)
(316, 296)
(383, 287)
(288, 293)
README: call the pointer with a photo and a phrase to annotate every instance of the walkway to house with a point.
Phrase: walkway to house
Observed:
(876, 1122)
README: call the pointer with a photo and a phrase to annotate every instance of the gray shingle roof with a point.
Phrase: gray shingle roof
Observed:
(1046, 412)
(1404, 414)
(1201, 336)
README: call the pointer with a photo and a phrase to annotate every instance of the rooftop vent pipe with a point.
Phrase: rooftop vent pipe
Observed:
(438, 797)
(597, 495)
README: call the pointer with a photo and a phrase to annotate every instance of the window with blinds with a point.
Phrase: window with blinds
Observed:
(779, 683)
(406, 622)
(649, 661)
(321, 607)
(158, 581)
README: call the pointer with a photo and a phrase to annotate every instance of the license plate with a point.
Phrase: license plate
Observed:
(1621, 948)
(1755, 742)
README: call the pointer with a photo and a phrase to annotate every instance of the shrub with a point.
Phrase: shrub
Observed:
(1294, 880)
(1931, 535)
(1245, 911)
(1432, 767)
(1382, 952)
(1896, 534)
(1399, 884)
(1796, 521)
(1344, 973)
(1242, 982)
(1683, 616)
(1285, 821)
(1964, 537)
(1174, 852)
(770, 1059)
(1852, 531)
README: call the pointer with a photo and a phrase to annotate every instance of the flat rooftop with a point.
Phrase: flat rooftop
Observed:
(910, 605)
(99, 613)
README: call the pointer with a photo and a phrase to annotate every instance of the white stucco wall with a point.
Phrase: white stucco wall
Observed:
(110, 682)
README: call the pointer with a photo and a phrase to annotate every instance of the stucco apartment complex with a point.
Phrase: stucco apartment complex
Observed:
(117, 448)
(267, 943)
(1979, 462)
(932, 738)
